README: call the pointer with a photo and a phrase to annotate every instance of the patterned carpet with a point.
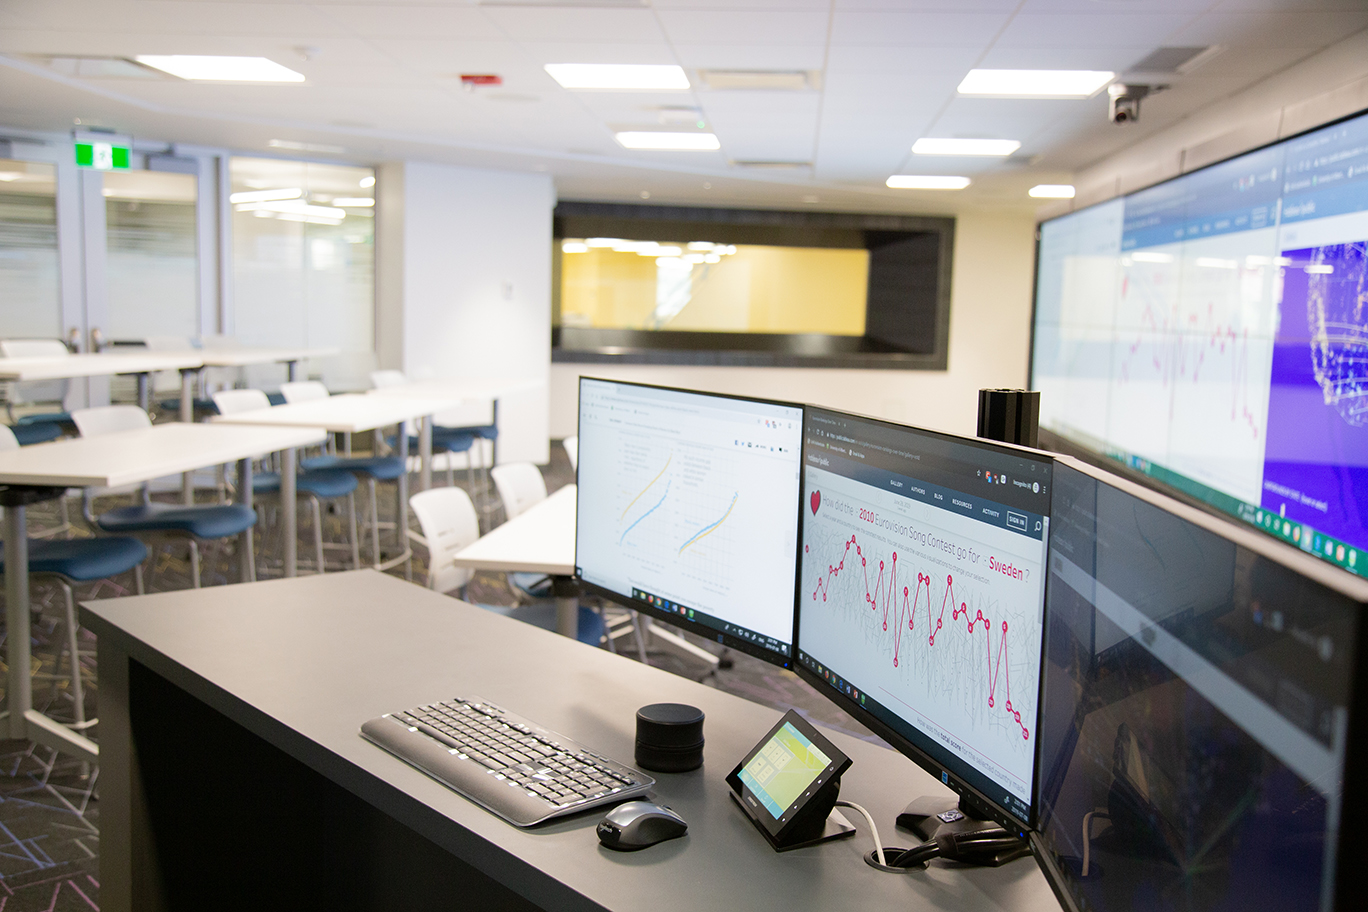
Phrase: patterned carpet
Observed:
(49, 804)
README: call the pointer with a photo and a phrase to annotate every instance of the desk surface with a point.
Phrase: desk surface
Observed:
(540, 540)
(377, 644)
(129, 457)
(239, 357)
(96, 365)
(350, 413)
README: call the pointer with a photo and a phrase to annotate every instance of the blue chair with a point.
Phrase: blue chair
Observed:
(36, 392)
(191, 524)
(314, 486)
(36, 432)
(81, 560)
(370, 469)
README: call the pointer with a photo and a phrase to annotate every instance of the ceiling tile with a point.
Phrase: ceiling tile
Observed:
(1098, 30)
(878, 87)
(590, 25)
(822, 5)
(874, 59)
(1271, 30)
(403, 21)
(1001, 118)
(911, 28)
(136, 17)
(751, 56)
(651, 52)
(745, 26)
(1083, 57)
(447, 56)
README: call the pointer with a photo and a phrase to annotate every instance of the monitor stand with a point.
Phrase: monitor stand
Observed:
(929, 818)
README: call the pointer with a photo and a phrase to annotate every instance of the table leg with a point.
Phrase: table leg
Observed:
(20, 696)
(425, 453)
(401, 516)
(566, 591)
(289, 509)
(292, 368)
(494, 444)
(144, 396)
(187, 415)
(246, 551)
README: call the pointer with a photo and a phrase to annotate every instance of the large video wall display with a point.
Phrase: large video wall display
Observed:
(1211, 332)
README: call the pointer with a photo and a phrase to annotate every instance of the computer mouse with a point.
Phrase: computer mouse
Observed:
(638, 824)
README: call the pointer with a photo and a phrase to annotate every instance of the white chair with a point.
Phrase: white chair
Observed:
(383, 378)
(51, 393)
(520, 486)
(303, 391)
(312, 486)
(571, 445)
(448, 522)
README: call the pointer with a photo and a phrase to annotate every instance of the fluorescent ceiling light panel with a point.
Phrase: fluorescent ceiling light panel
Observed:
(1052, 191)
(676, 142)
(1035, 83)
(355, 202)
(220, 69)
(926, 146)
(618, 76)
(927, 182)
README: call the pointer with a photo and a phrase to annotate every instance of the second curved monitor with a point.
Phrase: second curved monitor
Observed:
(921, 598)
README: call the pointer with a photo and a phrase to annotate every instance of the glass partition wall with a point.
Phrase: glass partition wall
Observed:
(29, 283)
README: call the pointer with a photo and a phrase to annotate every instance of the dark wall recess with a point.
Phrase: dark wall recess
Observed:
(908, 297)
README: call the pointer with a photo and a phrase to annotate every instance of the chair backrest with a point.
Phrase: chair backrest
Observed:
(34, 348)
(109, 419)
(449, 523)
(303, 391)
(34, 392)
(520, 486)
(571, 445)
(230, 402)
(381, 379)
(7, 439)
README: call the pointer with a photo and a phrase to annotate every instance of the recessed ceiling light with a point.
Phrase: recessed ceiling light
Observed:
(1052, 191)
(618, 76)
(925, 146)
(927, 182)
(220, 69)
(679, 142)
(355, 202)
(1035, 83)
(368, 180)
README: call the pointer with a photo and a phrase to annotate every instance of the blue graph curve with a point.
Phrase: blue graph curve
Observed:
(710, 526)
(646, 514)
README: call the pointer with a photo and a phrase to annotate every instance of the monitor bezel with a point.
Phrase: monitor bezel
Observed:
(702, 630)
(984, 807)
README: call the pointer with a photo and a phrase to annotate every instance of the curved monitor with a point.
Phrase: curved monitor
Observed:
(1208, 332)
(1200, 727)
(921, 592)
(688, 510)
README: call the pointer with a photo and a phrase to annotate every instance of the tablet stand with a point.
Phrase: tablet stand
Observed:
(818, 821)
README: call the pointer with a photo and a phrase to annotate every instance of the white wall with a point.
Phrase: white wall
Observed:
(464, 286)
(1322, 88)
(990, 316)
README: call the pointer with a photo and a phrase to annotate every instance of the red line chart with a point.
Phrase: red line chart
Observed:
(882, 597)
(1185, 349)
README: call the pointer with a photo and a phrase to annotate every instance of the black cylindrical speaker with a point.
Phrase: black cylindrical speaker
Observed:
(1012, 416)
(669, 737)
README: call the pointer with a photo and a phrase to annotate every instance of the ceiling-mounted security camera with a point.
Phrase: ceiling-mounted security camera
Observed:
(1125, 100)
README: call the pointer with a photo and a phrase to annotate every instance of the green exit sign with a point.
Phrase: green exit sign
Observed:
(101, 156)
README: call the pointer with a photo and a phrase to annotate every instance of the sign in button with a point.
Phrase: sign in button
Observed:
(1016, 521)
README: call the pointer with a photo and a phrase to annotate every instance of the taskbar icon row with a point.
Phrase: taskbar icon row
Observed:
(759, 640)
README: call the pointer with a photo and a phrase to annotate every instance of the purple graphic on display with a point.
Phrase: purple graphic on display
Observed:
(1316, 461)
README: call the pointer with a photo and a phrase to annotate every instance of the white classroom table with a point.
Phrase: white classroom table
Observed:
(108, 364)
(242, 357)
(539, 540)
(36, 473)
(470, 389)
(351, 414)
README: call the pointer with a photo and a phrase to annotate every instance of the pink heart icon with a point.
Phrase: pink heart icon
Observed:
(816, 501)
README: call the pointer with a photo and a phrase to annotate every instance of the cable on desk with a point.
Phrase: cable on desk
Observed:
(874, 830)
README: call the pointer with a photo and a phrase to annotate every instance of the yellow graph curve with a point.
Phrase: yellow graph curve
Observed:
(647, 488)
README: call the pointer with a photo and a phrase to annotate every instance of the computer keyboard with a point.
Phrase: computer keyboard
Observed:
(512, 766)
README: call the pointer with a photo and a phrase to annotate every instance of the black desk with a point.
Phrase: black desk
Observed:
(232, 775)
